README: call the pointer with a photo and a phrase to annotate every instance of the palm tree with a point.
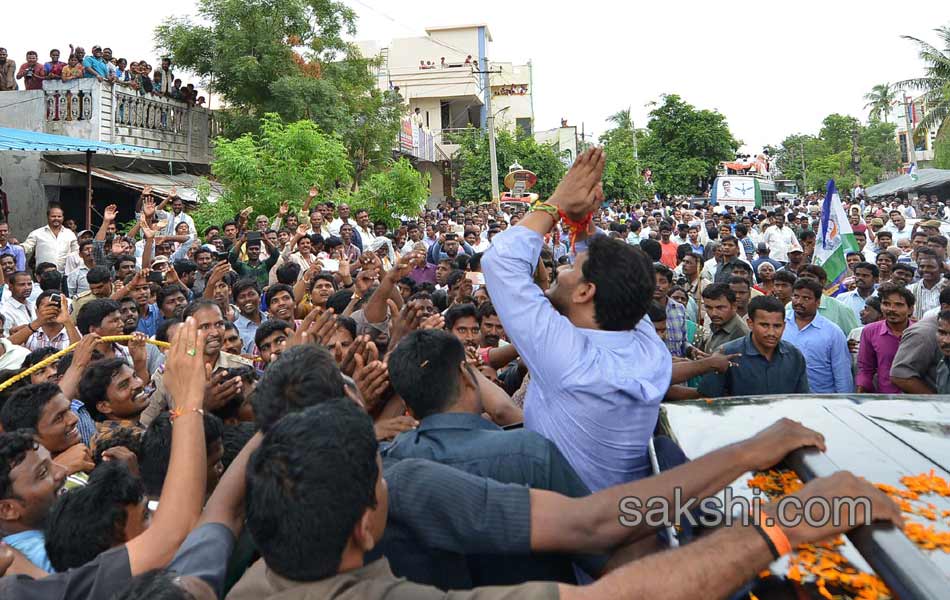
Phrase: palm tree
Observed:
(935, 83)
(621, 119)
(881, 100)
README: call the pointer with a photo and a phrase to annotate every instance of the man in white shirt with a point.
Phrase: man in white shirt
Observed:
(53, 242)
(897, 226)
(178, 215)
(344, 217)
(364, 227)
(908, 210)
(779, 238)
(16, 309)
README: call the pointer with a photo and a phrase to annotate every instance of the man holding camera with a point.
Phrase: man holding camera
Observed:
(32, 72)
(53, 326)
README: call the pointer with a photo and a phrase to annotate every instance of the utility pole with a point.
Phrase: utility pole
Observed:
(908, 120)
(804, 170)
(490, 123)
(855, 155)
(633, 130)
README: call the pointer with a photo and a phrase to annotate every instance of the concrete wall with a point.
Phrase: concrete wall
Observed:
(26, 196)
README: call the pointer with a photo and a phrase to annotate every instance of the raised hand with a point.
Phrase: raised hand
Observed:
(82, 355)
(372, 379)
(581, 191)
(349, 364)
(185, 374)
(313, 191)
(148, 206)
(283, 209)
(137, 347)
(436, 321)
(110, 213)
(302, 230)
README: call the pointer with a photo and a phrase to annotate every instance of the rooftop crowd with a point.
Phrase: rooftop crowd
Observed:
(352, 409)
(100, 64)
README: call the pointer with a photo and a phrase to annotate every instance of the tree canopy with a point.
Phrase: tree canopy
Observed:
(288, 57)
(399, 191)
(684, 145)
(622, 173)
(828, 155)
(935, 84)
(474, 179)
(279, 164)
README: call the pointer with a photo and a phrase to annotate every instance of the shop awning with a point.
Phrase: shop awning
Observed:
(186, 184)
(32, 141)
(926, 180)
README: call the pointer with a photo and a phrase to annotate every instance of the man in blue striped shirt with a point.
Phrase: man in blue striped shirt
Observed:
(598, 368)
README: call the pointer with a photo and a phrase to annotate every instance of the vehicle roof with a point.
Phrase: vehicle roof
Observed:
(879, 437)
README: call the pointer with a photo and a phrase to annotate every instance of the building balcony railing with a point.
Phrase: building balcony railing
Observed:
(107, 112)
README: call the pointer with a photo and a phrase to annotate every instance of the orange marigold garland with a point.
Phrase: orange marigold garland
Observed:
(826, 566)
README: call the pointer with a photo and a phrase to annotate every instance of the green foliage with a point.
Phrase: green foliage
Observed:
(474, 181)
(399, 191)
(935, 84)
(288, 57)
(942, 152)
(280, 164)
(684, 145)
(622, 174)
(828, 155)
(881, 101)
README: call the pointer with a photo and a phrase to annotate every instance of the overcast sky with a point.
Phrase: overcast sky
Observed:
(772, 68)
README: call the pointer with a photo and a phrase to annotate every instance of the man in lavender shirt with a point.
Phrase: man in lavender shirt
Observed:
(598, 368)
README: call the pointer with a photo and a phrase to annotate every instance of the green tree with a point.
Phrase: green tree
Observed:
(684, 145)
(942, 152)
(622, 174)
(881, 101)
(474, 179)
(935, 84)
(399, 191)
(288, 57)
(836, 132)
(279, 164)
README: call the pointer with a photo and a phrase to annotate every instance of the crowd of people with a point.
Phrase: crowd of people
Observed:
(99, 64)
(352, 408)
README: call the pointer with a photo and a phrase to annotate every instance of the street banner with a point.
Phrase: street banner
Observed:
(736, 191)
(835, 238)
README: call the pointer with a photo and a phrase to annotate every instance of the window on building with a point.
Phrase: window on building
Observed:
(523, 126)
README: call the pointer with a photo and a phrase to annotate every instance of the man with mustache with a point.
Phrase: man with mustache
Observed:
(220, 388)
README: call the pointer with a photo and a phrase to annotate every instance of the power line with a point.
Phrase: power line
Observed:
(409, 28)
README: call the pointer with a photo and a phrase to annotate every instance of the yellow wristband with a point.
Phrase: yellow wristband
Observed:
(546, 207)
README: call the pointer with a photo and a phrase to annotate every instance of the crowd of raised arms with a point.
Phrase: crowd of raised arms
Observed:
(101, 65)
(458, 400)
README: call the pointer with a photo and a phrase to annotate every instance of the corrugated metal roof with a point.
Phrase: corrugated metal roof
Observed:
(926, 179)
(186, 184)
(32, 141)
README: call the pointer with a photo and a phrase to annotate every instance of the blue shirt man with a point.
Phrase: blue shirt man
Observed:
(148, 324)
(595, 393)
(97, 65)
(823, 344)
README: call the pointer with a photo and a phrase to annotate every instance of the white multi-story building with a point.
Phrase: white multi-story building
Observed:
(912, 110)
(445, 81)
